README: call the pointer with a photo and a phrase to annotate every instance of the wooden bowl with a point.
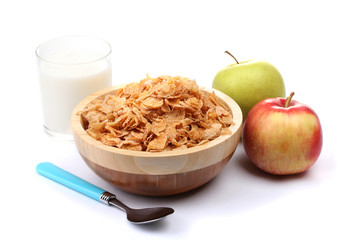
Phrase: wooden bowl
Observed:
(156, 173)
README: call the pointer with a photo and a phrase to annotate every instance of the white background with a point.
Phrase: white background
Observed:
(312, 43)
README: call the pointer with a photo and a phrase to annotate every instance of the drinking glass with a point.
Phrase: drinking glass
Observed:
(70, 68)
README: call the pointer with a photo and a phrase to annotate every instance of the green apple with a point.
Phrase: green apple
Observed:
(249, 82)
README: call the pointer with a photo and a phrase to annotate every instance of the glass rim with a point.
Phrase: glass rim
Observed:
(70, 36)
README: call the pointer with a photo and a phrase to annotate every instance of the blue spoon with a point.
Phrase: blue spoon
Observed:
(61, 176)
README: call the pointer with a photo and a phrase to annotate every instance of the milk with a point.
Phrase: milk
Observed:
(65, 79)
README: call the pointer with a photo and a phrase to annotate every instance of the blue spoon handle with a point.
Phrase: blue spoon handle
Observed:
(61, 176)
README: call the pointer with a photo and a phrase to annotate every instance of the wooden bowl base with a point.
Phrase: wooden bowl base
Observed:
(158, 185)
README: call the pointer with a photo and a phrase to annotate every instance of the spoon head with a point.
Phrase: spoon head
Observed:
(148, 215)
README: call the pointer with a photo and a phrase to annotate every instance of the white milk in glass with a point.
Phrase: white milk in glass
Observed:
(65, 79)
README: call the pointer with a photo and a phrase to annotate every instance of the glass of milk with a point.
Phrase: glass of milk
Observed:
(70, 69)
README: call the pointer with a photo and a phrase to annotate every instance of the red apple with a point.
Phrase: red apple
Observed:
(282, 136)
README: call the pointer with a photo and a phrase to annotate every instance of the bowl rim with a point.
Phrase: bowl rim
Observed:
(78, 129)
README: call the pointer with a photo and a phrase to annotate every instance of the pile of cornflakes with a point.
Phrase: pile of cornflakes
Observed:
(158, 114)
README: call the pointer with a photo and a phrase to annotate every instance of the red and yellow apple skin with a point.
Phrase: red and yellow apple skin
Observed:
(280, 139)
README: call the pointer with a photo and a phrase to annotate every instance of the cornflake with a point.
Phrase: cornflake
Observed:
(158, 114)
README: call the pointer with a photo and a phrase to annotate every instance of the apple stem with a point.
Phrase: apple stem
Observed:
(232, 56)
(289, 99)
